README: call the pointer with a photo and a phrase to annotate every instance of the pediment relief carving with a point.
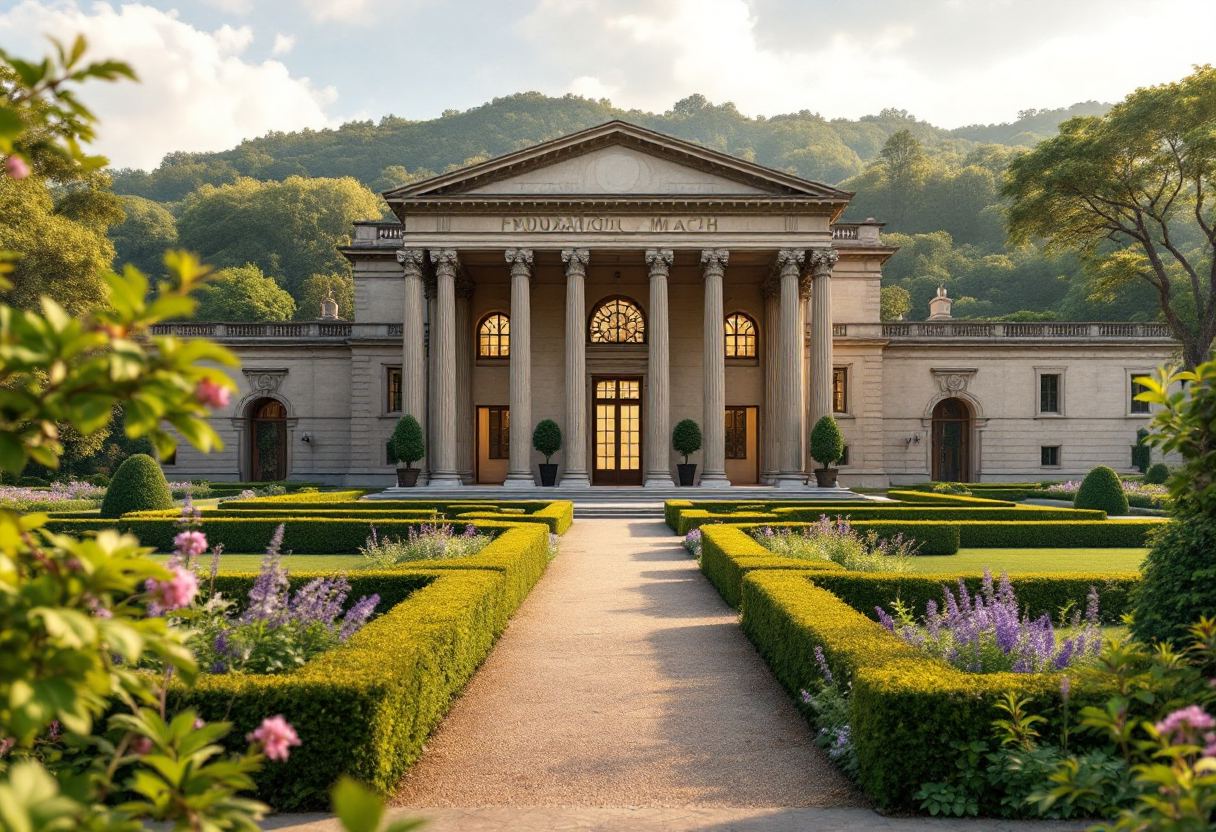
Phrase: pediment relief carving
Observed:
(953, 380)
(264, 379)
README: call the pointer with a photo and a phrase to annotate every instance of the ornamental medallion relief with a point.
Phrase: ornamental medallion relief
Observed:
(953, 381)
(263, 380)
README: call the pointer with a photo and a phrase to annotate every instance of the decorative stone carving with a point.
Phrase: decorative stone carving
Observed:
(445, 260)
(659, 261)
(519, 258)
(576, 260)
(953, 381)
(713, 262)
(411, 261)
(464, 285)
(263, 380)
(822, 260)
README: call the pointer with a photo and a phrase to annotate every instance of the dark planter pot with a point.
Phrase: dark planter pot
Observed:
(687, 471)
(548, 474)
(826, 477)
(407, 477)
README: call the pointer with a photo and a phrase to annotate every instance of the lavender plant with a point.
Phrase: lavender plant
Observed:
(692, 542)
(837, 541)
(69, 496)
(986, 633)
(427, 541)
(829, 705)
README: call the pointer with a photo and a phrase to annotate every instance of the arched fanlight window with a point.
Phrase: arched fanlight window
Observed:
(494, 336)
(740, 336)
(617, 321)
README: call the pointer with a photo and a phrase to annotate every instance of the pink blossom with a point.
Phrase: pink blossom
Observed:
(141, 746)
(190, 544)
(211, 394)
(16, 167)
(1182, 726)
(173, 594)
(198, 723)
(276, 735)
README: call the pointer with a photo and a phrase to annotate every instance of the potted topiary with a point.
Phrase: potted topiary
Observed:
(827, 446)
(409, 447)
(686, 439)
(547, 439)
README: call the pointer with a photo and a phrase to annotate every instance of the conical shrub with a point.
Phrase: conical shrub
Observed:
(138, 485)
(1102, 490)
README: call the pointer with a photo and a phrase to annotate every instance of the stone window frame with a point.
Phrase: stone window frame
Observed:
(501, 356)
(1059, 454)
(1061, 393)
(1129, 385)
(387, 386)
(600, 305)
(847, 370)
(727, 336)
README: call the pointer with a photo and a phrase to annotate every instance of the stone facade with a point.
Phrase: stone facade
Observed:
(617, 257)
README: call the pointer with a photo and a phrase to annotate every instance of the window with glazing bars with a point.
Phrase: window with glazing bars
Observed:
(740, 336)
(1138, 406)
(1049, 393)
(494, 336)
(840, 389)
(393, 389)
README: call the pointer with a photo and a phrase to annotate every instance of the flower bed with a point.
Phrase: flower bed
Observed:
(1139, 495)
(72, 496)
(556, 514)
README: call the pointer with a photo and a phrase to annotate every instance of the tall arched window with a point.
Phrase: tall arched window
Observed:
(740, 336)
(617, 321)
(494, 336)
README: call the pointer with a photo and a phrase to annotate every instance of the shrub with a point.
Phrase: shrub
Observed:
(138, 485)
(948, 498)
(1179, 584)
(728, 554)
(686, 438)
(547, 438)
(951, 488)
(407, 442)
(1076, 534)
(1157, 474)
(827, 442)
(1102, 490)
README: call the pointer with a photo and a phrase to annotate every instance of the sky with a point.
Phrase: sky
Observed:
(215, 72)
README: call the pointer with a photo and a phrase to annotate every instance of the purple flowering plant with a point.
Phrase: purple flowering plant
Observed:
(426, 541)
(692, 543)
(837, 541)
(987, 633)
(827, 704)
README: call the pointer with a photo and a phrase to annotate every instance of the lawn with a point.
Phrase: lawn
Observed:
(293, 563)
(1035, 560)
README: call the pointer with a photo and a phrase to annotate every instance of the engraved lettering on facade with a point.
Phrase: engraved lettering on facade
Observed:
(601, 224)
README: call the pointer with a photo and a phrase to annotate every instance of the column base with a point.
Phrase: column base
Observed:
(790, 479)
(519, 479)
(445, 479)
(714, 479)
(659, 479)
(574, 479)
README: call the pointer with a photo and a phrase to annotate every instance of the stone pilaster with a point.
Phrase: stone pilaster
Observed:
(413, 357)
(658, 415)
(465, 428)
(575, 443)
(443, 341)
(713, 429)
(519, 468)
(771, 463)
(821, 263)
(789, 389)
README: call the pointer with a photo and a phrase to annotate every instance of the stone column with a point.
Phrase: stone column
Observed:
(413, 357)
(575, 440)
(465, 429)
(772, 381)
(519, 468)
(713, 429)
(789, 388)
(821, 263)
(443, 343)
(658, 411)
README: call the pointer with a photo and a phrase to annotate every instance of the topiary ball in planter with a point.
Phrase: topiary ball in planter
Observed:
(547, 440)
(686, 439)
(1157, 474)
(1102, 490)
(406, 441)
(827, 442)
(138, 485)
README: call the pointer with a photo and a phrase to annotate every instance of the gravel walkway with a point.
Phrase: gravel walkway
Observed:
(624, 681)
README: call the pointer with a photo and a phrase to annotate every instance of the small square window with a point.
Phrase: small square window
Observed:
(1139, 407)
(392, 393)
(1049, 456)
(840, 389)
(1049, 393)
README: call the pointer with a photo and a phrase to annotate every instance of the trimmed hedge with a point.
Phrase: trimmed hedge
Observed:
(333, 513)
(907, 709)
(932, 498)
(556, 514)
(302, 535)
(279, 500)
(138, 485)
(728, 553)
(687, 519)
(672, 508)
(1102, 490)
(1082, 534)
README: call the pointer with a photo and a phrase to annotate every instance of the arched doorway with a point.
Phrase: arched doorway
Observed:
(952, 441)
(267, 441)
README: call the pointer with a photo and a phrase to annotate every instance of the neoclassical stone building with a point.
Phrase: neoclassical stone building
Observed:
(617, 281)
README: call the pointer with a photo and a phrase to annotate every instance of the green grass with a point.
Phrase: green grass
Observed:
(293, 563)
(1034, 560)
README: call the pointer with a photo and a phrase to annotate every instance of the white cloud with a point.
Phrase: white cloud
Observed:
(348, 11)
(282, 44)
(588, 86)
(237, 7)
(195, 93)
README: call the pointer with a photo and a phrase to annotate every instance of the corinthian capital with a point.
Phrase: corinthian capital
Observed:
(445, 261)
(659, 260)
(822, 261)
(411, 261)
(520, 260)
(790, 260)
(576, 260)
(713, 261)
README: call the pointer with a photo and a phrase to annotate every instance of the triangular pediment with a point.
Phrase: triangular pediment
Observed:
(616, 159)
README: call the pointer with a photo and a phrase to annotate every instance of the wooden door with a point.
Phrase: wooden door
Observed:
(951, 441)
(617, 413)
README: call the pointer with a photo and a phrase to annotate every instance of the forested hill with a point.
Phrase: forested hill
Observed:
(381, 155)
(273, 211)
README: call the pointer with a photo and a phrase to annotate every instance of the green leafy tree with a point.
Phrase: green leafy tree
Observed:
(244, 294)
(903, 163)
(288, 229)
(143, 237)
(1134, 193)
(895, 302)
(827, 442)
(341, 287)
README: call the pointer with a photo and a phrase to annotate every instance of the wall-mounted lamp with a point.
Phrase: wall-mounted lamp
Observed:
(914, 439)
(306, 438)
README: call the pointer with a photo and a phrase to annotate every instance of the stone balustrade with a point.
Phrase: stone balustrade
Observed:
(303, 330)
(1006, 330)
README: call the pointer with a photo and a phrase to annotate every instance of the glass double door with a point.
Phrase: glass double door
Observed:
(617, 410)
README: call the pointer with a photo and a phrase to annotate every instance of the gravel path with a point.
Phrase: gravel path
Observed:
(624, 681)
